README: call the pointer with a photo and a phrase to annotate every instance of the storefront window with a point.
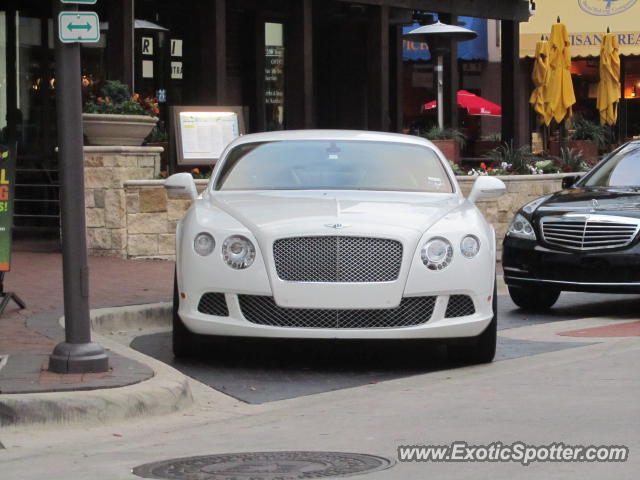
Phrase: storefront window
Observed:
(274, 76)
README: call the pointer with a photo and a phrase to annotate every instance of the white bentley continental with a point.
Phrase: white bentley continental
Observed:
(330, 234)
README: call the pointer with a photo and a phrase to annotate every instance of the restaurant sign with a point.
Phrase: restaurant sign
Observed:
(606, 7)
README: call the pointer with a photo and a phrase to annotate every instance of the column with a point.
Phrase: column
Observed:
(378, 69)
(120, 42)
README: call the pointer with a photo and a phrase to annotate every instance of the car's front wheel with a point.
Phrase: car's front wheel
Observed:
(481, 349)
(534, 299)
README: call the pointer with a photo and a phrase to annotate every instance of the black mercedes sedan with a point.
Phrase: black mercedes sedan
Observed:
(583, 238)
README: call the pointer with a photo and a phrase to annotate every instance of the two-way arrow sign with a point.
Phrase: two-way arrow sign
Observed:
(78, 27)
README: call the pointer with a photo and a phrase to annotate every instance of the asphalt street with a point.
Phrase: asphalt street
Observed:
(266, 371)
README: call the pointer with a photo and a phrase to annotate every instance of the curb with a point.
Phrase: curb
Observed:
(168, 391)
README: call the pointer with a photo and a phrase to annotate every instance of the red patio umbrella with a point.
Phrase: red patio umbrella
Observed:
(474, 105)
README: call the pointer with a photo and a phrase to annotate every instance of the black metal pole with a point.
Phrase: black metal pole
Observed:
(76, 354)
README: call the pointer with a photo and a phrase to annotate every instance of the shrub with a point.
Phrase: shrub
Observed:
(571, 160)
(437, 133)
(513, 160)
(584, 129)
(116, 99)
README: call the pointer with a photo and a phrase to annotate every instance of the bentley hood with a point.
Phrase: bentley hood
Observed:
(312, 212)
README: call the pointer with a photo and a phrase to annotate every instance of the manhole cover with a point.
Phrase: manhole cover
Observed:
(263, 466)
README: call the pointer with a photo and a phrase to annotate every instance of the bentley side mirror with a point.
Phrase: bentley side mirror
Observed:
(569, 181)
(181, 186)
(487, 187)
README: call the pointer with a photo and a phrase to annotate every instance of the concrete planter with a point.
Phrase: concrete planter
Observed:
(107, 129)
(449, 148)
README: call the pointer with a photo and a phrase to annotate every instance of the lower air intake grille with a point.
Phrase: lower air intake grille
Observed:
(213, 304)
(459, 306)
(264, 311)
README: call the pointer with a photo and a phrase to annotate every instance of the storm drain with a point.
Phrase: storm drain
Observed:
(264, 466)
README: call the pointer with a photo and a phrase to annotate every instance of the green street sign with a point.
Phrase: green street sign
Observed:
(78, 27)
(81, 2)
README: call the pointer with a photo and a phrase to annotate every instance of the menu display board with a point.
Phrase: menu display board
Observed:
(202, 133)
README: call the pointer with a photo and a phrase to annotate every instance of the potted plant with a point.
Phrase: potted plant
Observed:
(118, 118)
(448, 140)
(584, 136)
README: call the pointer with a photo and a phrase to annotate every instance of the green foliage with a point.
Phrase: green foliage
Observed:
(437, 133)
(546, 166)
(456, 168)
(492, 137)
(584, 129)
(515, 160)
(571, 160)
(157, 135)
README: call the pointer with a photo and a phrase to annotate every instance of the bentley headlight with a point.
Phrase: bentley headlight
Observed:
(437, 253)
(470, 246)
(238, 252)
(521, 228)
(204, 244)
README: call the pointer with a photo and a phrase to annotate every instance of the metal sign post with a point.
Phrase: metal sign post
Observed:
(76, 354)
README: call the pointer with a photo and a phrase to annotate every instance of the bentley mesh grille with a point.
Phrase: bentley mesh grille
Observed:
(459, 306)
(337, 259)
(213, 304)
(263, 310)
(589, 232)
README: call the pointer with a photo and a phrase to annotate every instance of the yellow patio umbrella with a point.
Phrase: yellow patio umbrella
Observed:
(540, 77)
(560, 95)
(609, 85)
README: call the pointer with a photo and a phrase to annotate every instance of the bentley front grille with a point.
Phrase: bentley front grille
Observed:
(263, 310)
(589, 232)
(337, 259)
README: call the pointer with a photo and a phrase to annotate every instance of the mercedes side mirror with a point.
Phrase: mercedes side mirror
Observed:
(181, 186)
(486, 188)
(569, 181)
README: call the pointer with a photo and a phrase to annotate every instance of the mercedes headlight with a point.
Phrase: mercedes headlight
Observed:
(470, 246)
(204, 244)
(532, 206)
(238, 252)
(437, 253)
(521, 228)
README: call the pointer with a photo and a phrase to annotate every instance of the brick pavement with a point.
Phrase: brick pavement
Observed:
(37, 278)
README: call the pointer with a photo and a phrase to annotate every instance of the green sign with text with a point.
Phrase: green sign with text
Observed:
(7, 185)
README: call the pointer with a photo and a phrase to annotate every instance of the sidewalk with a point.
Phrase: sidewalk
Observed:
(28, 336)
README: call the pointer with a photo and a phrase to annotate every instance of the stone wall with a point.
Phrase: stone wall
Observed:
(145, 224)
(105, 173)
(152, 219)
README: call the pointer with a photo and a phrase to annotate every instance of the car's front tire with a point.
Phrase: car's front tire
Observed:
(534, 299)
(183, 339)
(481, 349)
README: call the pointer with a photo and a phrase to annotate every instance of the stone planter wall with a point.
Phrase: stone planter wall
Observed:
(106, 171)
(152, 219)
